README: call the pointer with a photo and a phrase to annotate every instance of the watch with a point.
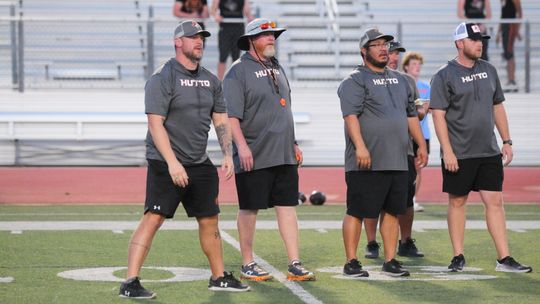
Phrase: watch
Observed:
(507, 142)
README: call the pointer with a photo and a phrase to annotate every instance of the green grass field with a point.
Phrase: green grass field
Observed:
(34, 258)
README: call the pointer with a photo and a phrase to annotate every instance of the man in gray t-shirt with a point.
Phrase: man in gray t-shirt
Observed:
(181, 100)
(407, 246)
(265, 152)
(378, 107)
(467, 103)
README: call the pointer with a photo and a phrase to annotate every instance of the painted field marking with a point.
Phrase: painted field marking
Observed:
(418, 273)
(294, 287)
(106, 274)
(6, 279)
(424, 225)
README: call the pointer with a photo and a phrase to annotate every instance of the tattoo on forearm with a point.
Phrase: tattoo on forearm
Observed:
(225, 140)
(217, 235)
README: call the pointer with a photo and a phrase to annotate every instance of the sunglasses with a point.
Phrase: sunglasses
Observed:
(268, 25)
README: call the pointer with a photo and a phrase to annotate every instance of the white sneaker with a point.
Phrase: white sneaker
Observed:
(417, 207)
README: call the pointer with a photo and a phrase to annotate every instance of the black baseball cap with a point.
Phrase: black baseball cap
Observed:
(469, 30)
(396, 46)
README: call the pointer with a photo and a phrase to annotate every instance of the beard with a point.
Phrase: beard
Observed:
(193, 56)
(269, 51)
(472, 54)
(374, 62)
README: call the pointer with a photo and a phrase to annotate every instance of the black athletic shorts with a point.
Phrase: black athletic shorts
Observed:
(199, 198)
(227, 37)
(411, 187)
(268, 187)
(370, 192)
(474, 174)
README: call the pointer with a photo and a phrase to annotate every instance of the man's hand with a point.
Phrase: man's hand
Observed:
(298, 154)
(178, 174)
(450, 162)
(246, 158)
(227, 166)
(363, 158)
(421, 157)
(507, 154)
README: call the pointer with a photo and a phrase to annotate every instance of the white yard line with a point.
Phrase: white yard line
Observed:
(294, 287)
(261, 225)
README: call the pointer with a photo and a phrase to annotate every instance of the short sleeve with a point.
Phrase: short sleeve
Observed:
(438, 97)
(498, 96)
(233, 92)
(157, 96)
(219, 102)
(351, 97)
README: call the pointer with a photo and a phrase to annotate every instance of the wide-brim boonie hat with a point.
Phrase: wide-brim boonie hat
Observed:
(256, 27)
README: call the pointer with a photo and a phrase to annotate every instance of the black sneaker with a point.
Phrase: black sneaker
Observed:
(408, 249)
(254, 272)
(394, 268)
(227, 283)
(354, 269)
(372, 250)
(457, 263)
(297, 272)
(133, 289)
(508, 264)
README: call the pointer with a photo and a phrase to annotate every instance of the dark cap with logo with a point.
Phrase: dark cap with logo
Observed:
(373, 34)
(469, 30)
(189, 28)
(396, 46)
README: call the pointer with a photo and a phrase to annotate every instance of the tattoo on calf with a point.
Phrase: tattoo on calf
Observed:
(217, 235)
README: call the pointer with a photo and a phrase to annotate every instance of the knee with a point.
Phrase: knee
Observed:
(458, 202)
(208, 221)
(153, 220)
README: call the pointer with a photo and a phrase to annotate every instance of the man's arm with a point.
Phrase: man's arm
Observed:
(501, 122)
(247, 11)
(163, 144)
(416, 133)
(244, 153)
(223, 132)
(461, 9)
(441, 128)
(213, 11)
(363, 158)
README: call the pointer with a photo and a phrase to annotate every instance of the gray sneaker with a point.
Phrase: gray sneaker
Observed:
(297, 272)
(508, 264)
(254, 272)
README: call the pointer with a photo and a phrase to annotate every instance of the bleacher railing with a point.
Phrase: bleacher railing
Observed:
(125, 51)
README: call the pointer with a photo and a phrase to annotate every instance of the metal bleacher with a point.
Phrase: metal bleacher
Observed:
(76, 49)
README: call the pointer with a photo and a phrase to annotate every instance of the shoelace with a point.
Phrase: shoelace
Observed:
(228, 276)
(355, 263)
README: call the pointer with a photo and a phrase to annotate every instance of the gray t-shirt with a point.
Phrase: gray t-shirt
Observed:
(382, 102)
(187, 100)
(266, 122)
(468, 95)
(416, 95)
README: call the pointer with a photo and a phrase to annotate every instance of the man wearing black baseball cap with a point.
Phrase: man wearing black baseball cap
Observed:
(466, 102)
(181, 100)
(378, 107)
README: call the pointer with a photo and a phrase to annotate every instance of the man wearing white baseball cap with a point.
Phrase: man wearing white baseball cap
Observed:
(467, 103)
